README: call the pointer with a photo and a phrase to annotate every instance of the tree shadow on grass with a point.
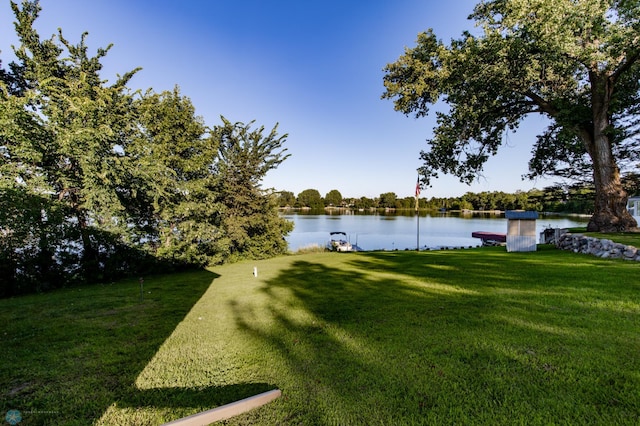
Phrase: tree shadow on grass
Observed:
(357, 347)
(96, 340)
(423, 338)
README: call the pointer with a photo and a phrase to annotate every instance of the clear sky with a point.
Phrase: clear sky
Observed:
(314, 67)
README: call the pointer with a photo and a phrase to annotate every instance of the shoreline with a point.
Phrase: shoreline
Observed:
(387, 209)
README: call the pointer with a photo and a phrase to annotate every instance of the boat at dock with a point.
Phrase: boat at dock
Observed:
(339, 242)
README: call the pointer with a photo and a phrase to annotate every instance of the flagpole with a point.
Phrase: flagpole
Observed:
(418, 230)
(417, 215)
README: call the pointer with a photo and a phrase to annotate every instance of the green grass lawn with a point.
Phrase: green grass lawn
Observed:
(475, 336)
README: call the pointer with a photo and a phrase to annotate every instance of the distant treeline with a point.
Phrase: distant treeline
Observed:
(577, 199)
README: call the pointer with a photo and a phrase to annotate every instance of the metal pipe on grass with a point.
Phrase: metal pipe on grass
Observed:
(228, 410)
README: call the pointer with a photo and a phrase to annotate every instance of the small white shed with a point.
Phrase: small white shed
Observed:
(521, 230)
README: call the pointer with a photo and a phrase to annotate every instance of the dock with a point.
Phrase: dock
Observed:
(490, 238)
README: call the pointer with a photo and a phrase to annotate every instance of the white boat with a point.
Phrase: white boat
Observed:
(339, 242)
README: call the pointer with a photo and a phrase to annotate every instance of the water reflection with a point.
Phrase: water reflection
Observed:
(399, 230)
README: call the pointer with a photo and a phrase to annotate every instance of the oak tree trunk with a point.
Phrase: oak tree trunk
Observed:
(610, 207)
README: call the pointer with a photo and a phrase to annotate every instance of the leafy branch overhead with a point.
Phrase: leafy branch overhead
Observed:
(576, 63)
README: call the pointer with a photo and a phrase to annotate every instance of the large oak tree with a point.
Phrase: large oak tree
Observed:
(574, 61)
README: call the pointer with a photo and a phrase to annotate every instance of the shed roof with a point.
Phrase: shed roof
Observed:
(521, 214)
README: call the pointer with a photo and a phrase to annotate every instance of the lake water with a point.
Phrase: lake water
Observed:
(389, 231)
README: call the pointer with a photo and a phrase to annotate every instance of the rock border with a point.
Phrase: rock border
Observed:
(602, 248)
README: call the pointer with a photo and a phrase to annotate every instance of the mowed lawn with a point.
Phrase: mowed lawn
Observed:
(477, 336)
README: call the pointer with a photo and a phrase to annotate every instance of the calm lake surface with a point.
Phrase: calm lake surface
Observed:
(391, 231)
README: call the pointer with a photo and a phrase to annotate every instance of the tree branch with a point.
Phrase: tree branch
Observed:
(625, 66)
(544, 105)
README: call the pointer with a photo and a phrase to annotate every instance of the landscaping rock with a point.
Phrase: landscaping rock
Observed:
(630, 252)
(603, 248)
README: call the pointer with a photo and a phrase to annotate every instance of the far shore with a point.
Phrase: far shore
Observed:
(389, 209)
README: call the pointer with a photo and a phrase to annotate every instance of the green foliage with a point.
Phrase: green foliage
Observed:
(363, 203)
(333, 198)
(570, 61)
(62, 131)
(32, 229)
(576, 199)
(388, 200)
(310, 198)
(631, 182)
(97, 182)
(249, 219)
(286, 199)
(172, 183)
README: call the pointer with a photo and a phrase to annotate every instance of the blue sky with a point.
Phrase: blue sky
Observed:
(314, 67)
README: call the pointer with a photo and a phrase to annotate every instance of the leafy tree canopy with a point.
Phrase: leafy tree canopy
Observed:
(333, 198)
(286, 199)
(388, 200)
(576, 62)
(310, 198)
(249, 218)
(99, 182)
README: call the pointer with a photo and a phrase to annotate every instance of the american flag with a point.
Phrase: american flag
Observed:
(418, 187)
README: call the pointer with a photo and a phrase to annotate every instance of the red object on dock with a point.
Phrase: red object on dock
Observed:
(490, 236)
